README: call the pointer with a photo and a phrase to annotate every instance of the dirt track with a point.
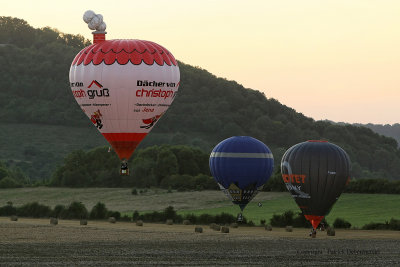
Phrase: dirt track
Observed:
(30, 242)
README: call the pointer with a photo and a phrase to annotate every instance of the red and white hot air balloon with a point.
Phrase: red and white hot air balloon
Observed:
(123, 86)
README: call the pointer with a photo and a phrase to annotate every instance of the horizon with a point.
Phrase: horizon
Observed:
(287, 50)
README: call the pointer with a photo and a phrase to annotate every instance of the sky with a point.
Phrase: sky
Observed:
(333, 59)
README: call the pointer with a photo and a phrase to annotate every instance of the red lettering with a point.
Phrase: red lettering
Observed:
(294, 178)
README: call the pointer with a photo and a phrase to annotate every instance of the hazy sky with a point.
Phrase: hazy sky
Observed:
(328, 59)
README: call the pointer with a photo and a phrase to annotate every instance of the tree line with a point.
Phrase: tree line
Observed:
(176, 167)
(179, 167)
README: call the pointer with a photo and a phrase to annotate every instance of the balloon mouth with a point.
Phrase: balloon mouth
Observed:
(317, 141)
(314, 220)
(124, 143)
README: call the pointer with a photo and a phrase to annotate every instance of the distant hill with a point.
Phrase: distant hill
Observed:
(386, 130)
(42, 123)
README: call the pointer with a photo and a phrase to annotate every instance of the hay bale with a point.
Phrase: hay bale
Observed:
(215, 227)
(198, 229)
(186, 222)
(139, 223)
(289, 228)
(268, 227)
(83, 222)
(225, 229)
(234, 225)
(112, 220)
(53, 221)
(330, 231)
(169, 222)
(14, 218)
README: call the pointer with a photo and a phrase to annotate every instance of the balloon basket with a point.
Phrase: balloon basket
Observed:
(239, 217)
(124, 172)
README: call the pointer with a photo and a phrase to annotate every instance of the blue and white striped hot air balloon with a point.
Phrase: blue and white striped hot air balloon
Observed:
(241, 165)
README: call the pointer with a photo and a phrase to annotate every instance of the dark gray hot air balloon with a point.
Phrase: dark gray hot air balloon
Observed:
(315, 173)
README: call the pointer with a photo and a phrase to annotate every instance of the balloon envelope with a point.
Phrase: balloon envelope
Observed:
(124, 87)
(241, 165)
(315, 173)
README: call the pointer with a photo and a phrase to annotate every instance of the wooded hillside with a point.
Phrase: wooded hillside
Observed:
(34, 91)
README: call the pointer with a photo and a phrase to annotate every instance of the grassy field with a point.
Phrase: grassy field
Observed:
(358, 209)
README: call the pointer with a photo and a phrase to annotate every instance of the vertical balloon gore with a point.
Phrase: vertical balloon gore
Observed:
(314, 220)
(124, 144)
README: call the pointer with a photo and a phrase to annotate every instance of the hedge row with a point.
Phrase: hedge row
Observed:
(76, 210)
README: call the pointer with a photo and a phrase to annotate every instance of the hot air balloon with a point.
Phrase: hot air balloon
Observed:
(241, 165)
(123, 86)
(315, 173)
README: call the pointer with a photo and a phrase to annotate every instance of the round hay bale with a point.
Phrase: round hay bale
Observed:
(215, 227)
(112, 220)
(14, 218)
(186, 222)
(169, 222)
(225, 229)
(198, 229)
(234, 225)
(289, 228)
(53, 221)
(83, 222)
(330, 231)
(139, 223)
(268, 227)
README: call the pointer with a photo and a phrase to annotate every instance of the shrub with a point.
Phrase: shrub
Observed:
(99, 211)
(58, 211)
(34, 210)
(8, 210)
(115, 214)
(9, 183)
(134, 191)
(341, 223)
(135, 215)
(250, 223)
(393, 224)
(282, 220)
(169, 212)
(76, 210)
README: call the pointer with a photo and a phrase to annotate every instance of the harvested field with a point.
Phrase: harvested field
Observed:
(36, 242)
